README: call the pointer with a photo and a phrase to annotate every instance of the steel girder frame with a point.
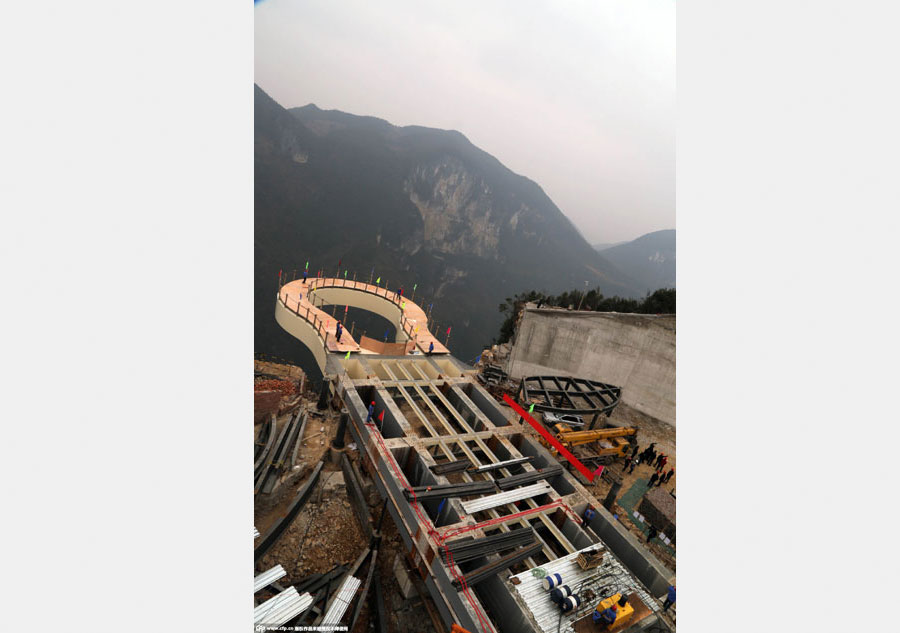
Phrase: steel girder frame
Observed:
(560, 396)
(423, 551)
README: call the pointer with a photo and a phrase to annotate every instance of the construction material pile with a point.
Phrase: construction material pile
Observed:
(658, 506)
(286, 387)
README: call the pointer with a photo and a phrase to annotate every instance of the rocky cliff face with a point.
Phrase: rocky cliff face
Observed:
(420, 206)
(455, 206)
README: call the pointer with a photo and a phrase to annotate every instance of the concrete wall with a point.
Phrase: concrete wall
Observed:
(632, 351)
(301, 329)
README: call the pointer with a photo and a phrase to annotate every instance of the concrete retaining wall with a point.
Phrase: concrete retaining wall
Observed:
(632, 351)
(301, 329)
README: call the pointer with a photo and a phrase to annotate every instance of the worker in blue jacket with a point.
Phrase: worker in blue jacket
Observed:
(670, 598)
(606, 617)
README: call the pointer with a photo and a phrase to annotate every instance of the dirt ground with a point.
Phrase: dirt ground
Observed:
(327, 531)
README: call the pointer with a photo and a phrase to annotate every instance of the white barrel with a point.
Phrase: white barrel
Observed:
(552, 580)
(570, 604)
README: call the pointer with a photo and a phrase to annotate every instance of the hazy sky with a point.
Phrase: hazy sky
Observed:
(577, 96)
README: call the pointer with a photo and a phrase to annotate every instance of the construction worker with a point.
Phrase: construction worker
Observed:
(431, 347)
(304, 276)
(669, 474)
(607, 617)
(653, 479)
(662, 462)
(371, 412)
(670, 598)
(338, 331)
(661, 479)
(634, 451)
(634, 462)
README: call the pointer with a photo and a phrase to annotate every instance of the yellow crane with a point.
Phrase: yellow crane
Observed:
(610, 441)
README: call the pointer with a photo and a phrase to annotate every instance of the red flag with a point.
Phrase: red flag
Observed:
(346, 308)
(448, 330)
(381, 417)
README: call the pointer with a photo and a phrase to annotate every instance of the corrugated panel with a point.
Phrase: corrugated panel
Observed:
(609, 578)
(268, 577)
(341, 601)
(492, 501)
(282, 608)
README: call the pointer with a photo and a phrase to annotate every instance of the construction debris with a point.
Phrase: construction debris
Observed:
(463, 550)
(491, 569)
(514, 481)
(423, 493)
(283, 608)
(451, 467)
(278, 529)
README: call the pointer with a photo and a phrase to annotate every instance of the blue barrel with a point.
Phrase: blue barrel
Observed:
(560, 593)
(551, 580)
(570, 604)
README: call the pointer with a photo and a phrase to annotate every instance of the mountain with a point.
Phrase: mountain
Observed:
(604, 245)
(650, 259)
(420, 206)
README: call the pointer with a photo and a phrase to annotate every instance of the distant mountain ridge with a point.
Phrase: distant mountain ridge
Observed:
(420, 205)
(604, 245)
(649, 259)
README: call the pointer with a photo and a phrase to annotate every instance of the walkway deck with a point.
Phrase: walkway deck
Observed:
(296, 297)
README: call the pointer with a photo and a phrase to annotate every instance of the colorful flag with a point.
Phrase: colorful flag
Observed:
(378, 281)
(307, 264)
(347, 357)
(345, 274)
(381, 417)
(346, 308)
(415, 286)
(478, 360)
(448, 331)
(531, 408)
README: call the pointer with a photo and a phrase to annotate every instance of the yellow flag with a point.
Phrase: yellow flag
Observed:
(347, 357)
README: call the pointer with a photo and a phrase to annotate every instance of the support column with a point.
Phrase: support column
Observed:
(613, 493)
(324, 393)
(338, 441)
(337, 444)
